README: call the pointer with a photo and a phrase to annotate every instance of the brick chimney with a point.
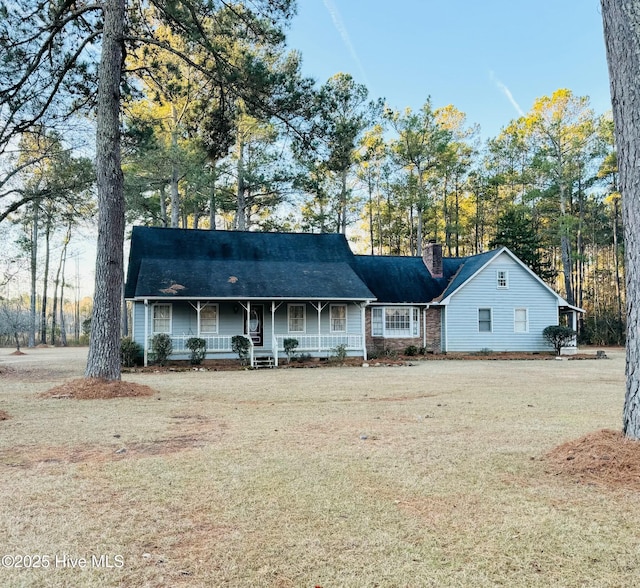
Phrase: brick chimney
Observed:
(432, 257)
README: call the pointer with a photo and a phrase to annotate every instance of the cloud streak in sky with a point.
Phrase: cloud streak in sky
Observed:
(507, 93)
(332, 9)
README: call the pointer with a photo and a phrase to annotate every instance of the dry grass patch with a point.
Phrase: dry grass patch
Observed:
(4, 415)
(424, 475)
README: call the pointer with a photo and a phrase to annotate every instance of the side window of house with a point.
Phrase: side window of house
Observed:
(296, 318)
(162, 318)
(209, 319)
(520, 320)
(502, 277)
(484, 320)
(339, 318)
(376, 322)
(416, 322)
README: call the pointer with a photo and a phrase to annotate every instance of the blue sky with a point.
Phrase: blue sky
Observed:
(491, 59)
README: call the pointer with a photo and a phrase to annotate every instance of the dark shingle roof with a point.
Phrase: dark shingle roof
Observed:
(197, 264)
(192, 263)
(398, 280)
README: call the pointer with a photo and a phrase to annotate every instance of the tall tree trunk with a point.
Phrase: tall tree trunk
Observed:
(104, 344)
(621, 20)
(175, 171)
(163, 206)
(56, 284)
(240, 193)
(34, 268)
(343, 202)
(565, 245)
(213, 204)
(45, 280)
(63, 326)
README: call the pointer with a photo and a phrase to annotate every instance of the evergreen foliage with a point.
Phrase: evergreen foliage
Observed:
(198, 348)
(161, 348)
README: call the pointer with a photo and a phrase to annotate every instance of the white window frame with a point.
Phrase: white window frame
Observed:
(204, 308)
(502, 279)
(392, 315)
(380, 316)
(304, 318)
(377, 321)
(484, 321)
(516, 321)
(332, 319)
(154, 318)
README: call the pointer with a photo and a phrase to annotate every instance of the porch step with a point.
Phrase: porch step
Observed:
(263, 362)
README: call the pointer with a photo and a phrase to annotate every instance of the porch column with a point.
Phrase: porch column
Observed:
(363, 330)
(274, 343)
(198, 308)
(248, 327)
(319, 327)
(146, 331)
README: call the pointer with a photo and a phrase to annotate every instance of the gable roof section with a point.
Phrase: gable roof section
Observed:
(403, 280)
(474, 264)
(467, 268)
(191, 263)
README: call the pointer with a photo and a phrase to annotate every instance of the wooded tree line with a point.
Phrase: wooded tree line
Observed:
(545, 186)
(221, 131)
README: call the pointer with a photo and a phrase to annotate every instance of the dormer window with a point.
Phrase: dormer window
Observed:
(502, 279)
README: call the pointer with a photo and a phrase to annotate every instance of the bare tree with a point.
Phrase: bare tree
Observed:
(621, 20)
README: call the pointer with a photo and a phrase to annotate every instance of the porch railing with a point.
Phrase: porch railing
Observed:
(322, 342)
(215, 343)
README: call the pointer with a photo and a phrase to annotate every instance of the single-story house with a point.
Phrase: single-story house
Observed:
(312, 288)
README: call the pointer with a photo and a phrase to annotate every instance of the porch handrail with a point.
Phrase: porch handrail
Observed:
(251, 351)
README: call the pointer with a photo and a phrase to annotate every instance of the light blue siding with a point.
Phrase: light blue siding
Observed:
(231, 322)
(461, 331)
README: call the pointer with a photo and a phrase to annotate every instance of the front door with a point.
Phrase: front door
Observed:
(256, 324)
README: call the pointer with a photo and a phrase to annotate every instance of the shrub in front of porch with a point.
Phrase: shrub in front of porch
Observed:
(289, 346)
(198, 348)
(161, 348)
(131, 353)
(240, 345)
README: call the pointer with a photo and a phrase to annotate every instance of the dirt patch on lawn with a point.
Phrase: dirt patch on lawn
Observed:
(96, 388)
(4, 415)
(605, 457)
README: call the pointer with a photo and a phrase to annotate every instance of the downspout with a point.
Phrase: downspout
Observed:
(146, 331)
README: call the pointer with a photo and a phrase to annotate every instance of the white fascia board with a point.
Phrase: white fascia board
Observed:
(378, 303)
(235, 298)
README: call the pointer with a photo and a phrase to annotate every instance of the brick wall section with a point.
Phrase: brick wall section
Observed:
(381, 345)
(434, 330)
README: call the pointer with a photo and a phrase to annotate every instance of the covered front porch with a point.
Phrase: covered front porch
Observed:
(321, 327)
